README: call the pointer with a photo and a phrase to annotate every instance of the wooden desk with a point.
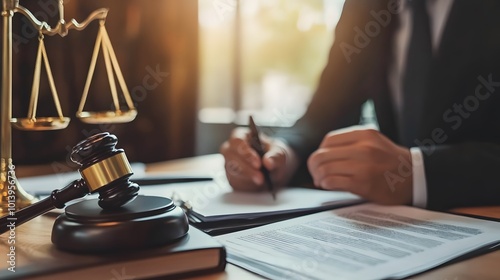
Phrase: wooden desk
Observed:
(37, 231)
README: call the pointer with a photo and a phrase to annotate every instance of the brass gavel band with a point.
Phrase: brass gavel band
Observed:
(106, 171)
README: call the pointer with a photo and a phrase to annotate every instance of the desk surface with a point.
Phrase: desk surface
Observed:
(482, 267)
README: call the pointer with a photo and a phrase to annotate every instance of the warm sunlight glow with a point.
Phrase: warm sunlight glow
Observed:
(284, 46)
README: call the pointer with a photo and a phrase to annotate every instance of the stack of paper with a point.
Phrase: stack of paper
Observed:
(215, 208)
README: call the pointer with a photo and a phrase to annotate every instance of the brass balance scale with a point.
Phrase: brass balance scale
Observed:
(12, 196)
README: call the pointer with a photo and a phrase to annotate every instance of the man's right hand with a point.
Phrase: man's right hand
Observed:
(243, 164)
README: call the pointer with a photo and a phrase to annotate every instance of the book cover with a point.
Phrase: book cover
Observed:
(196, 253)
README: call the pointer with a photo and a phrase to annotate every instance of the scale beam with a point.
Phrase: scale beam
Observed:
(12, 196)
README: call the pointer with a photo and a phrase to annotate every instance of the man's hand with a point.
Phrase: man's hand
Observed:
(365, 163)
(243, 164)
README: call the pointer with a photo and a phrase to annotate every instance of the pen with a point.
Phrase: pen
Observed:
(256, 144)
(172, 179)
(152, 181)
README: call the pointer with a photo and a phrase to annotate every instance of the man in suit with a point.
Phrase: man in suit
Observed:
(432, 69)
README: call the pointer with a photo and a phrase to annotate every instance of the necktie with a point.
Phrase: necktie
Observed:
(417, 72)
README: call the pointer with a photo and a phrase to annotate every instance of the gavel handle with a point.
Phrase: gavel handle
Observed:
(57, 199)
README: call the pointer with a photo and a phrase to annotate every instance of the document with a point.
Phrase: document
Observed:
(367, 241)
(217, 201)
(215, 208)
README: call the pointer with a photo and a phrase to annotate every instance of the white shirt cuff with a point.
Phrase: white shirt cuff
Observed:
(419, 182)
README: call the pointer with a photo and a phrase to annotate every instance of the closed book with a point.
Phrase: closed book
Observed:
(196, 253)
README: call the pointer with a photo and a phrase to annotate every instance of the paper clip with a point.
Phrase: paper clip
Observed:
(184, 205)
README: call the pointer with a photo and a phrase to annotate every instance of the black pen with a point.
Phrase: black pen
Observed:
(152, 180)
(256, 144)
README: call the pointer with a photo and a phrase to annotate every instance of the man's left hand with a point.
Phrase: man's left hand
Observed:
(366, 163)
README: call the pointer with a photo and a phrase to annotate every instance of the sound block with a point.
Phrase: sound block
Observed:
(145, 222)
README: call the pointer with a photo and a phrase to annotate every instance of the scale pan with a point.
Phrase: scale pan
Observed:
(107, 116)
(40, 124)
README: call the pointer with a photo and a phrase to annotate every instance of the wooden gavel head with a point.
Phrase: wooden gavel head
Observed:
(105, 170)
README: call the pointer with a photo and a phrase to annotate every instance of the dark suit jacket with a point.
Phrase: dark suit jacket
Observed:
(459, 132)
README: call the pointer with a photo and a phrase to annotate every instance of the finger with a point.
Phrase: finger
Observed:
(241, 149)
(250, 155)
(351, 184)
(324, 155)
(241, 170)
(274, 158)
(244, 184)
(337, 183)
(333, 168)
(240, 132)
(266, 141)
(333, 139)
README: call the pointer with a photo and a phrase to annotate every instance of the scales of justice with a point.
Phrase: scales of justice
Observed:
(37, 123)
(105, 170)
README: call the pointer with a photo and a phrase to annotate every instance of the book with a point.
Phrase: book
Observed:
(365, 241)
(196, 253)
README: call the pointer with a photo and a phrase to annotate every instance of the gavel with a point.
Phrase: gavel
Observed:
(88, 228)
(105, 170)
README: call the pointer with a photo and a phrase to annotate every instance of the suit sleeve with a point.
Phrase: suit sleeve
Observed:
(464, 174)
(341, 92)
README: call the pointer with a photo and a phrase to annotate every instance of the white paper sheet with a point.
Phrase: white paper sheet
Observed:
(212, 199)
(359, 242)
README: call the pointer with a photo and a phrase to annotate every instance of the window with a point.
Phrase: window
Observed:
(262, 57)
